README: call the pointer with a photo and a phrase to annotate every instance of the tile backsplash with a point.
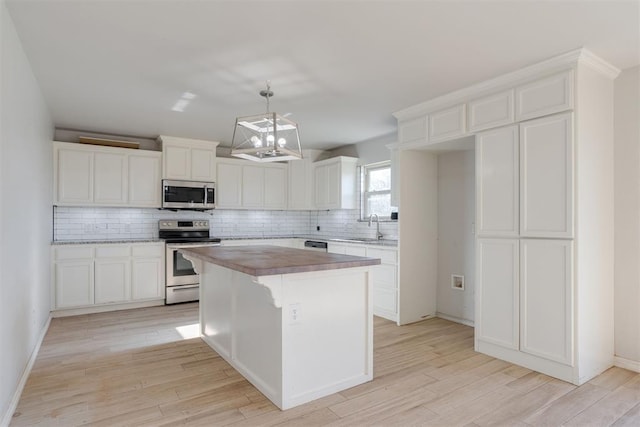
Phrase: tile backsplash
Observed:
(73, 223)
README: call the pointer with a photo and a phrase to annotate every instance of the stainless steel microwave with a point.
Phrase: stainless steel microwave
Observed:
(188, 194)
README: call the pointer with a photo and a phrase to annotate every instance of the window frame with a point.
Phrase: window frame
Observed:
(364, 184)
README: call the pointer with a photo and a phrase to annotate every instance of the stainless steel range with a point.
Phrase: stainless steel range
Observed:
(182, 282)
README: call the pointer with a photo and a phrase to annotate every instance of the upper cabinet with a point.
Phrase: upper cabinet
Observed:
(335, 183)
(86, 175)
(447, 124)
(188, 159)
(413, 130)
(491, 111)
(301, 185)
(243, 184)
(545, 96)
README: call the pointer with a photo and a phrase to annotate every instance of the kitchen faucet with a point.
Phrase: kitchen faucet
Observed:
(378, 233)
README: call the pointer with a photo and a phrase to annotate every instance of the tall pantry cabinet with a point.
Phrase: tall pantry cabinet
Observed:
(544, 210)
(544, 213)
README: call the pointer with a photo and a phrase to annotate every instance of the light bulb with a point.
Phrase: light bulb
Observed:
(257, 142)
(270, 140)
(282, 142)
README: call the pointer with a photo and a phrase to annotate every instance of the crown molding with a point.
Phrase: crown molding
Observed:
(558, 63)
(588, 59)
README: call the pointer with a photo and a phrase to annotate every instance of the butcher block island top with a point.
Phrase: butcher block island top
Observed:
(298, 324)
(269, 260)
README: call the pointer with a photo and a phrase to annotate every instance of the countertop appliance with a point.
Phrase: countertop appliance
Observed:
(182, 282)
(315, 245)
(194, 195)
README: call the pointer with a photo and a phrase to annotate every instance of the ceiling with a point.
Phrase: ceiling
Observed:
(340, 68)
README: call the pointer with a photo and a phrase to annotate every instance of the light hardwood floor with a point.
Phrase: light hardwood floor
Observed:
(140, 368)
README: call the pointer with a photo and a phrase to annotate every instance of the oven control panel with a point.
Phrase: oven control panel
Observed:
(202, 224)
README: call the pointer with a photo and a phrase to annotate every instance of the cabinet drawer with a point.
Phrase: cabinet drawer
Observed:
(114, 251)
(355, 251)
(385, 299)
(74, 252)
(386, 256)
(148, 251)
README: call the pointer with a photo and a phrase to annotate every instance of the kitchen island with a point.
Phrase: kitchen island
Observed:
(297, 324)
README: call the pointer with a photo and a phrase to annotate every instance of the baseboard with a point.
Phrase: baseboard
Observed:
(106, 307)
(455, 319)
(631, 365)
(6, 419)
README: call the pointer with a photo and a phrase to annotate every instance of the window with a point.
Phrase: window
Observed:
(376, 190)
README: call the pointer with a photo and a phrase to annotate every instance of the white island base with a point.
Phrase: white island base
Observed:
(296, 337)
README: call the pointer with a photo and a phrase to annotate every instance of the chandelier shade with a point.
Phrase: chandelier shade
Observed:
(266, 137)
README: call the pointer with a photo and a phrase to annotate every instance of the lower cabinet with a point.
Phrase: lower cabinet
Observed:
(89, 275)
(525, 302)
(385, 275)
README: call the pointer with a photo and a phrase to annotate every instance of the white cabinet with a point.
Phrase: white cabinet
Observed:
(110, 176)
(549, 95)
(87, 276)
(546, 283)
(491, 111)
(229, 186)
(497, 182)
(498, 299)
(73, 175)
(546, 185)
(335, 183)
(447, 124)
(384, 276)
(144, 179)
(252, 186)
(395, 177)
(105, 176)
(112, 274)
(188, 159)
(301, 184)
(147, 272)
(413, 130)
(243, 184)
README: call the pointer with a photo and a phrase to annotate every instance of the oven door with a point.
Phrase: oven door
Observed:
(179, 269)
(188, 194)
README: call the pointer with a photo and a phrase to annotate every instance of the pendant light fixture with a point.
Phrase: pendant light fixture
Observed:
(266, 137)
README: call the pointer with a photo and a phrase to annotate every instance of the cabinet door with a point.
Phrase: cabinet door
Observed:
(110, 179)
(395, 178)
(252, 186)
(299, 185)
(546, 283)
(146, 278)
(144, 181)
(497, 295)
(321, 187)
(229, 186)
(74, 283)
(113, 280)
(177, 162)
(75, 177)
(203, 164)
(546, 173)
(491, 111)
(414, 130)
(546, 96)
(275, 188)
(334, 186)
(447, 124)
(497, 182)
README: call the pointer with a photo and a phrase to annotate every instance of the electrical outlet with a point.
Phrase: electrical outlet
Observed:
(317, 228)
(457, 282)
(294, 313)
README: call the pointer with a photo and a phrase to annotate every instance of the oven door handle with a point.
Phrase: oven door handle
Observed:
(183, 288)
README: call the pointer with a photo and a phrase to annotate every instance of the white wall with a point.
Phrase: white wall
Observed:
(367, 152)
(25, 212)
(627, 215)
(456, 240)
